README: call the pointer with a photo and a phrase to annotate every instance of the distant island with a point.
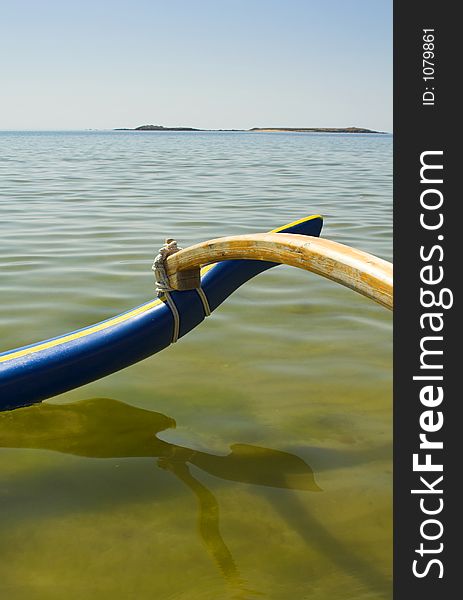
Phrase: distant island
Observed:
(316, 129)
(257, 129)
(157, 128)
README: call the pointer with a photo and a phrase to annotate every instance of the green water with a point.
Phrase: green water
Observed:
(252, 459)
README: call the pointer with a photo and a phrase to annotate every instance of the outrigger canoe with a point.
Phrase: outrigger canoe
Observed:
(33, 373)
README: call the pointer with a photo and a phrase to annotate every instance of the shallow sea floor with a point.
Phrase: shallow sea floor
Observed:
(252, 459)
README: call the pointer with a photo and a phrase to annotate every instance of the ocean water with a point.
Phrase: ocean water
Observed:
(252, 459)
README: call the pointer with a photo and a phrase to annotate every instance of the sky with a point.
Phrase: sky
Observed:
(221, 64)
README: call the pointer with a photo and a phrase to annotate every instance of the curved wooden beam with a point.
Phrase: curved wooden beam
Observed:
(358, 270)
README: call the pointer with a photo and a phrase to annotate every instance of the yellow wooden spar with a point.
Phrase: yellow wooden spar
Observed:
(358, 270)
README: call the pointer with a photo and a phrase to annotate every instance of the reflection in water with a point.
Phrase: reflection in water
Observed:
(105, 428)
(208, 521)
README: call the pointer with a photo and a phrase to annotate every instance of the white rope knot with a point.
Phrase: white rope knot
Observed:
(159, 266)
(163, 287)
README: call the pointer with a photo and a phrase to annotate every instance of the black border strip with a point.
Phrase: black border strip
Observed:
(432, 128)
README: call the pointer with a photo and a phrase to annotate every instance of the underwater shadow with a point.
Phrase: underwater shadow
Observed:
(106, 428)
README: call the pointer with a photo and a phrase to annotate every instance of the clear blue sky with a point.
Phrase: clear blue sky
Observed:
(102, 64)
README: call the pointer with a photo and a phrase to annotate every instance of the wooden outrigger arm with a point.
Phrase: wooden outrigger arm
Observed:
(355, 269)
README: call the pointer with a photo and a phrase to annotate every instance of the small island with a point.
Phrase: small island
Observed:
(160, 128)
(157, 128)
(315, 129)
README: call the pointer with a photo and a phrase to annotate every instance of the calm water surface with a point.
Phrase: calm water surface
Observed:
(250, 460)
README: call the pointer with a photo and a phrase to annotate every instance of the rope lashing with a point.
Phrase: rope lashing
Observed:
(175, 314)
(162, 280)
(204, 300)
(163, 287)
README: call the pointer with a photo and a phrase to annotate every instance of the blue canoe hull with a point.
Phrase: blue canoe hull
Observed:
(33, 373)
